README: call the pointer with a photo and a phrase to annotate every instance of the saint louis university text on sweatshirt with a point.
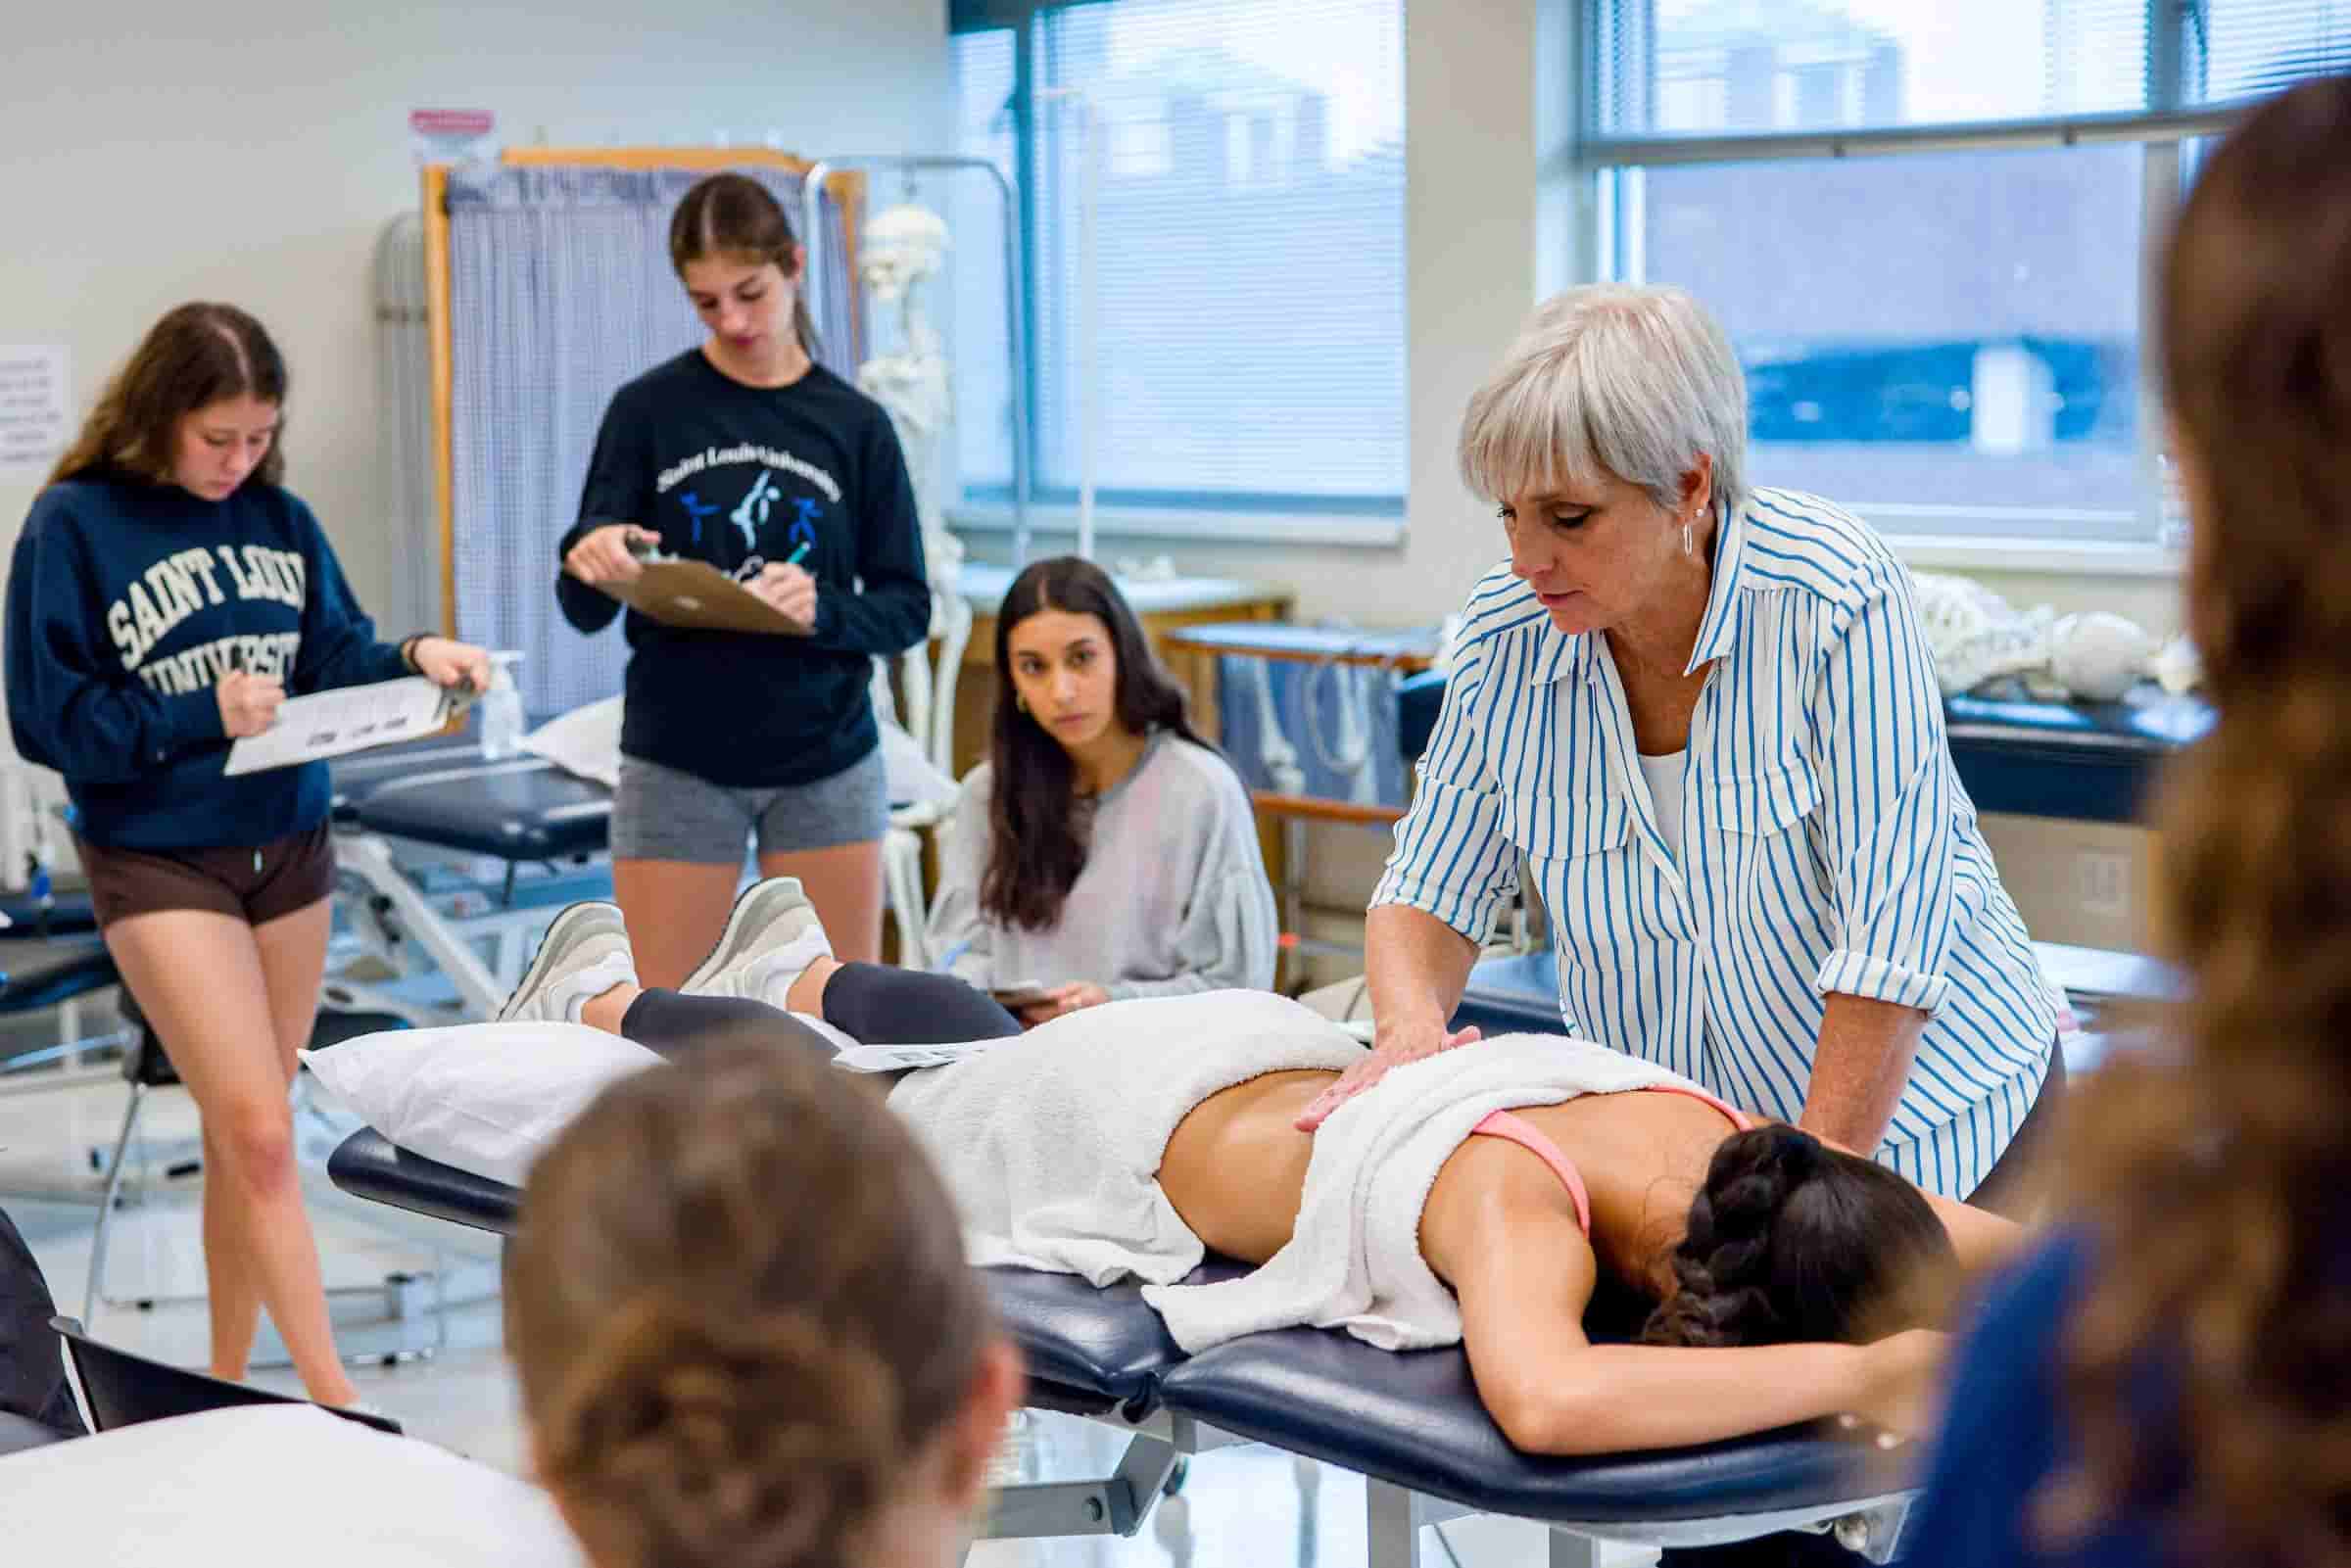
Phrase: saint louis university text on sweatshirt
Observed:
(127, 603)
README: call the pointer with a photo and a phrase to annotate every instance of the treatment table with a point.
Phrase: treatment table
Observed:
(432, 844)
(1411, 1424)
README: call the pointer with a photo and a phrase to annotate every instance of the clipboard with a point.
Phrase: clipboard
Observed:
(677, 592)
(348, 718)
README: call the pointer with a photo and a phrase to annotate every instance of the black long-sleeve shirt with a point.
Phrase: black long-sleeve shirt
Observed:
(739, 477)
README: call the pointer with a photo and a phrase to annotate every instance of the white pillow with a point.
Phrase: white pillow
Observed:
(273, 1485)
(487, 1098)
(584, 742)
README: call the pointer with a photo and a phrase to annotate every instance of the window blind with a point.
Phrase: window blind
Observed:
(1738, 68)
(1249, 247)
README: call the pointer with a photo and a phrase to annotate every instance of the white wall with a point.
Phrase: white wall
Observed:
(250, 150)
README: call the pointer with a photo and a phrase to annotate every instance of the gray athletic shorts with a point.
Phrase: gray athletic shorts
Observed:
(662, 813)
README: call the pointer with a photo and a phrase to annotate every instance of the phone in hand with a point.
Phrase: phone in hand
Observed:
(1014, 995)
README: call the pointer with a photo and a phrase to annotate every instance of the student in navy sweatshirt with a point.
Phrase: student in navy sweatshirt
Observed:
(747, 454)
(165, 596)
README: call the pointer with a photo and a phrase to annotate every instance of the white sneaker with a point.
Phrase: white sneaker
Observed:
(584, 954)
(771, 938)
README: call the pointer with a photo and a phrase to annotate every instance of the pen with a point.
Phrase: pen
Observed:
(798, 551)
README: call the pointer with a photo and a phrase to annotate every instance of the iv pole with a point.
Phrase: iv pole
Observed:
(812, 215)
(1089, 310)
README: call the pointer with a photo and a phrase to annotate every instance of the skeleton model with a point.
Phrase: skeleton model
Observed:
(1978, 638)
(904, 246)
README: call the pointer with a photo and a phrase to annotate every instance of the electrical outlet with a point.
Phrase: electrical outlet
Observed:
(2102, 882)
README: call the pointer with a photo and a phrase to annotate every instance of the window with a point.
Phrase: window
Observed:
(1249, 244)
(1929, 254)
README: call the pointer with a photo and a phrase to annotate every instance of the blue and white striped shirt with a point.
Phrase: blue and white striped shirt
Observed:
(1827, 843)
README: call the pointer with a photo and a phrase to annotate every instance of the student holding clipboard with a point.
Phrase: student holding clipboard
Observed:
(165, 596)
(747, 455)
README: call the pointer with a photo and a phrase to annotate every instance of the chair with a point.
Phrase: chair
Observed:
(121, 1388)
(928, 673)
(146, 1068)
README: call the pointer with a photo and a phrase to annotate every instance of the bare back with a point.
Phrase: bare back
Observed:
(1235, 1171)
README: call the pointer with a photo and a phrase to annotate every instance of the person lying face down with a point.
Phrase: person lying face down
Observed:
(1132, 1139)
(1771, 1255)
(712, 1377)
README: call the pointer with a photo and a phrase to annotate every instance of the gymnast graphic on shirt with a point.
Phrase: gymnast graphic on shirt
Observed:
(749, 515)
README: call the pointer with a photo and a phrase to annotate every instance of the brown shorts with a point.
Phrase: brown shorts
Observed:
(256, 883)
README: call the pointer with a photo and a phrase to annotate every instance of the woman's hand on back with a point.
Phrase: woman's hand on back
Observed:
(1393, 1050)
(248, 703)
(602, 553)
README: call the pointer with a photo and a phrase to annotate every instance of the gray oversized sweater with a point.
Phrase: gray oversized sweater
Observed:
(1174, 896)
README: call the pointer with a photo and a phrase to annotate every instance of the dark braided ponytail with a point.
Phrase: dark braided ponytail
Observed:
(1792, 1240)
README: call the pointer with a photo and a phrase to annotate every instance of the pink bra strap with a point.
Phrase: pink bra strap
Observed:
(1738, 1118)
(1513, 1128)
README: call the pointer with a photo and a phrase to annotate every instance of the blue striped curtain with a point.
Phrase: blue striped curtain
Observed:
(560, 290)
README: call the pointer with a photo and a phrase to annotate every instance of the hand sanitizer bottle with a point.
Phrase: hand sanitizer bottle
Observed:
(502, 712)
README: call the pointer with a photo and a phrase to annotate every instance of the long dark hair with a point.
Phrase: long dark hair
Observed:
(712, 1377)
(2214, 1173)
(1791, 1240)
(734, 216)
(1037, 826)
(196, 355)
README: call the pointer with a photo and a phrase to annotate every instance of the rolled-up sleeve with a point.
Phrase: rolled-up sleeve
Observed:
(1884, 829)
(1453, 858)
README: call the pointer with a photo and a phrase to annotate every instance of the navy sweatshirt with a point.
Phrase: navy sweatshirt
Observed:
(741, 476)
(2007, 1435)
(127, 602)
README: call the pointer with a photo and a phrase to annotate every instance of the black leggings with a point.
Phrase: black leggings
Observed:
(870, 1004)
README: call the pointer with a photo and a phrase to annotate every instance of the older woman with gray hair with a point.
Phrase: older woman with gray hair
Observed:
(1707, 714)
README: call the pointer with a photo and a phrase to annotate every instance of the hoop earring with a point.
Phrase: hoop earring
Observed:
(1689, 539)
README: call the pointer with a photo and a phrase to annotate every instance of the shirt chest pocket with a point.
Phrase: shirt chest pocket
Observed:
(1768, 853)
(1592, 876)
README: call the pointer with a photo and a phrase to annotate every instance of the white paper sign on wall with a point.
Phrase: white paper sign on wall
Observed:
(35, 408)
(452, 136)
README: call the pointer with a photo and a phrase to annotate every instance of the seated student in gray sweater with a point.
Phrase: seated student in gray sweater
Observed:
(1104, 851)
